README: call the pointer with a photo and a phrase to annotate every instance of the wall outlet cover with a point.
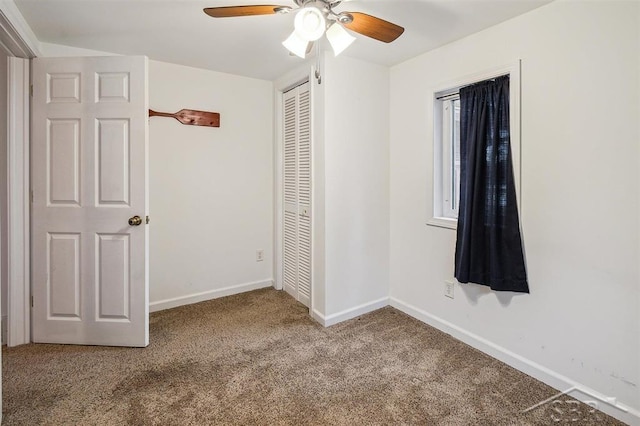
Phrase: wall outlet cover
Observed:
(448, 289)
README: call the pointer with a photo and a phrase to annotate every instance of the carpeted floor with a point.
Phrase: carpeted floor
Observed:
(258, 359)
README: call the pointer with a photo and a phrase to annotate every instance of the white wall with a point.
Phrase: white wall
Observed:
(211, 195)
(580, 196)
(356, 185)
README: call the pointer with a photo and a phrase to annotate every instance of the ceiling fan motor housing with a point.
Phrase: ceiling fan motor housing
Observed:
(325, 3)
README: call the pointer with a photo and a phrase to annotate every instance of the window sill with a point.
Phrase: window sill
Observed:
(443, 222)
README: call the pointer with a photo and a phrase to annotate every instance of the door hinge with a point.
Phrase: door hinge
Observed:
(31, 196)
(32, 301)
(31, 90)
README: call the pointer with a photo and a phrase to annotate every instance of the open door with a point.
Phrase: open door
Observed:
(89, 155)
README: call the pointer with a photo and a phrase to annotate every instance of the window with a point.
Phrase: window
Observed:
(446, 179)
(450, 157)
(445, 114)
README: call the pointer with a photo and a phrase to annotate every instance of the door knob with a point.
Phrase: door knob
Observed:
(135, 221)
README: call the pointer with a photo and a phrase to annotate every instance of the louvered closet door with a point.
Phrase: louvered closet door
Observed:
(297, 193)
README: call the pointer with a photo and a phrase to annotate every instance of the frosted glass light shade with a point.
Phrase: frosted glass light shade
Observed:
(339, 38)
(310, 23)
(296, 44)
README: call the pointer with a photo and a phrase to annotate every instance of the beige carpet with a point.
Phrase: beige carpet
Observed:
(258, 359)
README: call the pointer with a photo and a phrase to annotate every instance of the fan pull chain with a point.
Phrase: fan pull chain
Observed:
(318, 76)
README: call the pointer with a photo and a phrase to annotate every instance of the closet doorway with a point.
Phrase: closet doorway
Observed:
(296, 226)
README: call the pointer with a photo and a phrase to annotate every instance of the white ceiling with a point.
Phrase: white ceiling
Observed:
(178, 31)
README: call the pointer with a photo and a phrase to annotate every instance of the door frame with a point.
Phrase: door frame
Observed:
(282, 85)
(18, 41)
(18, 203)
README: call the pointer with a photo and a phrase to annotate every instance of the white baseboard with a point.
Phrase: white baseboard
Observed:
(161, 305)
(348, 314)
(317, 316)
(565, 385)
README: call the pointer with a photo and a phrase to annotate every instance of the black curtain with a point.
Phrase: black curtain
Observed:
(489, 246)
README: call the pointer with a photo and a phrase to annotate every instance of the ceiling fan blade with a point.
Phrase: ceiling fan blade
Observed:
(231, 11)
(373, 27)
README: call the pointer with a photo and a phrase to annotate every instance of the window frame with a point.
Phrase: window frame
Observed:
(439, 214)
(448, 209)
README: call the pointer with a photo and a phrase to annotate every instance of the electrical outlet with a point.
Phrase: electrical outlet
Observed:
(448, 289)
(259, 255)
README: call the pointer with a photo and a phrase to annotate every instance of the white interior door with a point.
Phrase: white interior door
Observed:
(297, 193)
(89, 177)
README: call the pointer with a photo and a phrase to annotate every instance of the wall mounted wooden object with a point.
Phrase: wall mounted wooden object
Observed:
(191, 116)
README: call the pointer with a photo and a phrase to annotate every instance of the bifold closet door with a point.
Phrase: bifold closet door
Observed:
(297, 193)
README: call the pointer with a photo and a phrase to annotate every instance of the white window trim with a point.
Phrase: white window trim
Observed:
(435, 217)
(447, 171)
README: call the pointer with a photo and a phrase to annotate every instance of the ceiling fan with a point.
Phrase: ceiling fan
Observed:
(315, 18)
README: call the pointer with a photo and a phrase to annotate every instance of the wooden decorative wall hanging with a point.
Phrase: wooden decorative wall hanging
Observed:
(191, 117)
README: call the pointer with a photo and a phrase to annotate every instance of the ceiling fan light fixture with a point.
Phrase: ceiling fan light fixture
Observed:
(339, 38)
(310, 23)
(296, 44)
